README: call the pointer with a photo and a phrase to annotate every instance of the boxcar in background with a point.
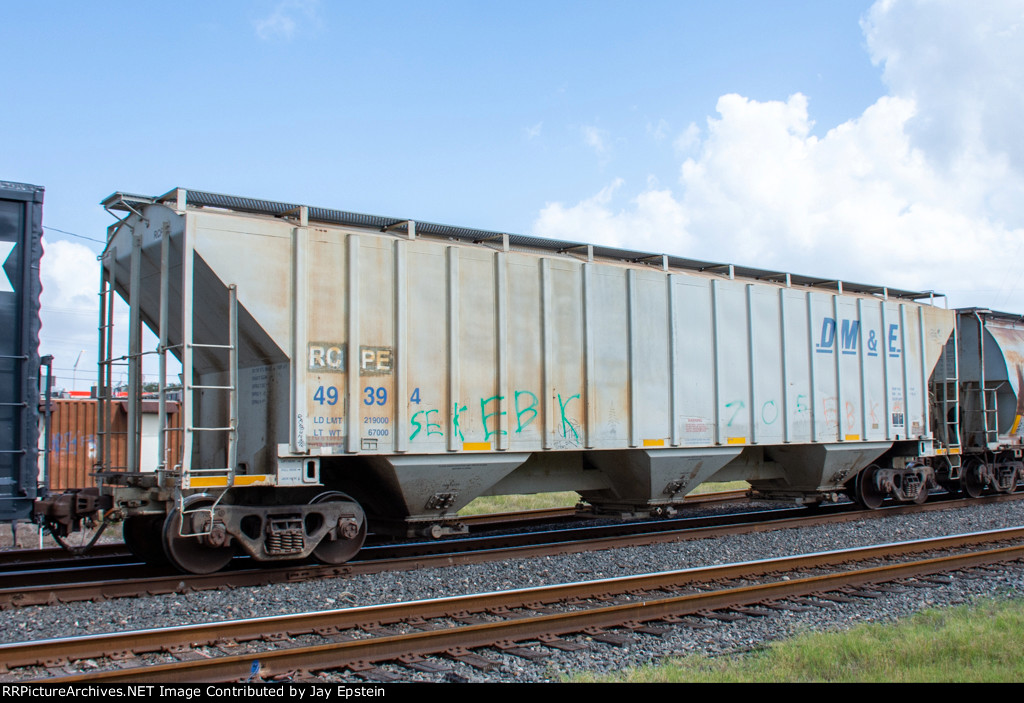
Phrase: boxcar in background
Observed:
(73, 442)
(21, 231)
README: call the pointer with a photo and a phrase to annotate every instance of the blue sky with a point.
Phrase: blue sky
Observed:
(871, 141)
(424, 108)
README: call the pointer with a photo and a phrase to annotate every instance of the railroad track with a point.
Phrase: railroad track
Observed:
(47, 586)
(112, 552)
(522, 622)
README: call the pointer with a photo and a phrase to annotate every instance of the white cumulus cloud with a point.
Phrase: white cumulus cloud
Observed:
(285, 20)
(689, 139)
(70, 276)
(596, 138)
(71, 279)
(963, 65)
(923, 190)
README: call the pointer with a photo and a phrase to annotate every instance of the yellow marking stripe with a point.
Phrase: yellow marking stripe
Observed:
(219, 481)
(852, 437)
(476, 446)
(253, 480)
(207, 482)
(736, 440)
(654, 443)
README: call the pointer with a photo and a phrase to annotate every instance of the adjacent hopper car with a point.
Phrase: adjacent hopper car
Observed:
(345, 372)
(21, 231)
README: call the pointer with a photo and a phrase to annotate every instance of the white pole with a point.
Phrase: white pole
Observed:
(74, 371)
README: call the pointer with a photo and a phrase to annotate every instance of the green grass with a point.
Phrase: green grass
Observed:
(515, 503)
(566, 499)
(979, 643)
(718, 487)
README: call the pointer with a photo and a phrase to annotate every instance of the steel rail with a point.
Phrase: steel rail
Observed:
(59, 558)
(23, 594)
(48, 652)
(428, 642)
(107, 553)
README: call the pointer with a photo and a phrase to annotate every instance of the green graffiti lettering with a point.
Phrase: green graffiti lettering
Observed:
(565, 420)
(455, 422)
(486, 415)
(739, 404)
(531, 408)
(433, 427)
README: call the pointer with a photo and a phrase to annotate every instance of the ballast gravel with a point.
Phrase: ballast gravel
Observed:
(707, 637)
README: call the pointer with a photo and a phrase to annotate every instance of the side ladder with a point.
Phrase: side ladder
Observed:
(987, 401)
(987, 407)
(946, 399)
(214, 478)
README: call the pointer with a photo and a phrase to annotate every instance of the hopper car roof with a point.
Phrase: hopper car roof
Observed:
(128, 202)
(992, 314)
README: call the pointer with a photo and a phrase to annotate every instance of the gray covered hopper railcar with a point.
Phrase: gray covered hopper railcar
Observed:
(991, 400)
(343, 368)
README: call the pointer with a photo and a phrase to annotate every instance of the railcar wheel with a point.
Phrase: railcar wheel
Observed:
(194, 555)
(143, 535)
(922, 496)
(866, 491)
(971, 482)
(338, 551)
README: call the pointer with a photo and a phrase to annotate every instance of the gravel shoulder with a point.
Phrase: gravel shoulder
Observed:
(41, 622)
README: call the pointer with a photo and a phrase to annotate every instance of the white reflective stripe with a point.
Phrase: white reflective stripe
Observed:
(6, 284)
